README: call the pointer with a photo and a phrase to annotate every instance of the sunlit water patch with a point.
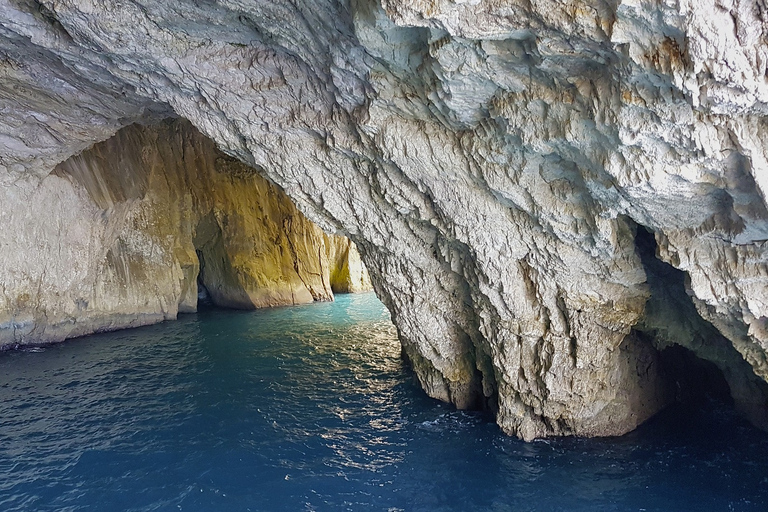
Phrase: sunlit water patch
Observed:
(311, 408)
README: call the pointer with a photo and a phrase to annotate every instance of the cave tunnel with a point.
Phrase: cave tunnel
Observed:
(503, 136)
(243, 244)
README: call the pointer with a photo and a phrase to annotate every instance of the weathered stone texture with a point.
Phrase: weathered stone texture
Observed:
(493, 161)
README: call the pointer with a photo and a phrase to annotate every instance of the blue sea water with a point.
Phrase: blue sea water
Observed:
(311, 408)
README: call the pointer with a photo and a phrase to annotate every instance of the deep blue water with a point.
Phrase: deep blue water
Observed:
(311, 408)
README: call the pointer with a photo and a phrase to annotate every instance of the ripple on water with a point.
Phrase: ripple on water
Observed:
(311, 408)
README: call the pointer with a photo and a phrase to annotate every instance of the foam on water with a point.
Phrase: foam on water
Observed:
(311, 408)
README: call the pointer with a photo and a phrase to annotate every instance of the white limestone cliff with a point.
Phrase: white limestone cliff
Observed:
(494, 161)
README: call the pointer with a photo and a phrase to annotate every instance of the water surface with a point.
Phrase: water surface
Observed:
(311, 408)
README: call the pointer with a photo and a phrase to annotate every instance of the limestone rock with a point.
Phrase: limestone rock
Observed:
(118, 235)
(492, 161)
(347, 272)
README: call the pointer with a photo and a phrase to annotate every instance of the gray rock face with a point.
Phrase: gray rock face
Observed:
(493, 161)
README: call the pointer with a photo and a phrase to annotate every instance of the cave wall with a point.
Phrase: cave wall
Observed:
(116, 237)
(490, 159)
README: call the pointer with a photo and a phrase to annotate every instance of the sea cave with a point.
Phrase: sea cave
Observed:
(320, 246)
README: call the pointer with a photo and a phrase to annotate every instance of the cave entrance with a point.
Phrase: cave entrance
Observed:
(685, 340)
(700, 365)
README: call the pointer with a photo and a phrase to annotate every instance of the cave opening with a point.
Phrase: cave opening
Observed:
(700, 366)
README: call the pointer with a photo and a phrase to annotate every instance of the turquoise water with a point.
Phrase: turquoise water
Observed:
(311, 408)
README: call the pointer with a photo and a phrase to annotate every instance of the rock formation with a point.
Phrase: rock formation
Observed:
(130, 231)
(547, 193)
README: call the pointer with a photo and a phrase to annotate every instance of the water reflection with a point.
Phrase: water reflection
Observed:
(311, 408)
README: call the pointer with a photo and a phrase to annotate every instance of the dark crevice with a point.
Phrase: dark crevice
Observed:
(695, 381)
(476, 400)
(203, 297)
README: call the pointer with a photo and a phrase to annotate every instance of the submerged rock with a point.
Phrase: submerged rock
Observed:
(493, 161)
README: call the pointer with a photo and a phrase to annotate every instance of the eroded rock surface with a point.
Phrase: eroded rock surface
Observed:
(494, 162)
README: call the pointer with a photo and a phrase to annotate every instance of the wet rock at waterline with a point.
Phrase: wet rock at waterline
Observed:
(494, 163)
